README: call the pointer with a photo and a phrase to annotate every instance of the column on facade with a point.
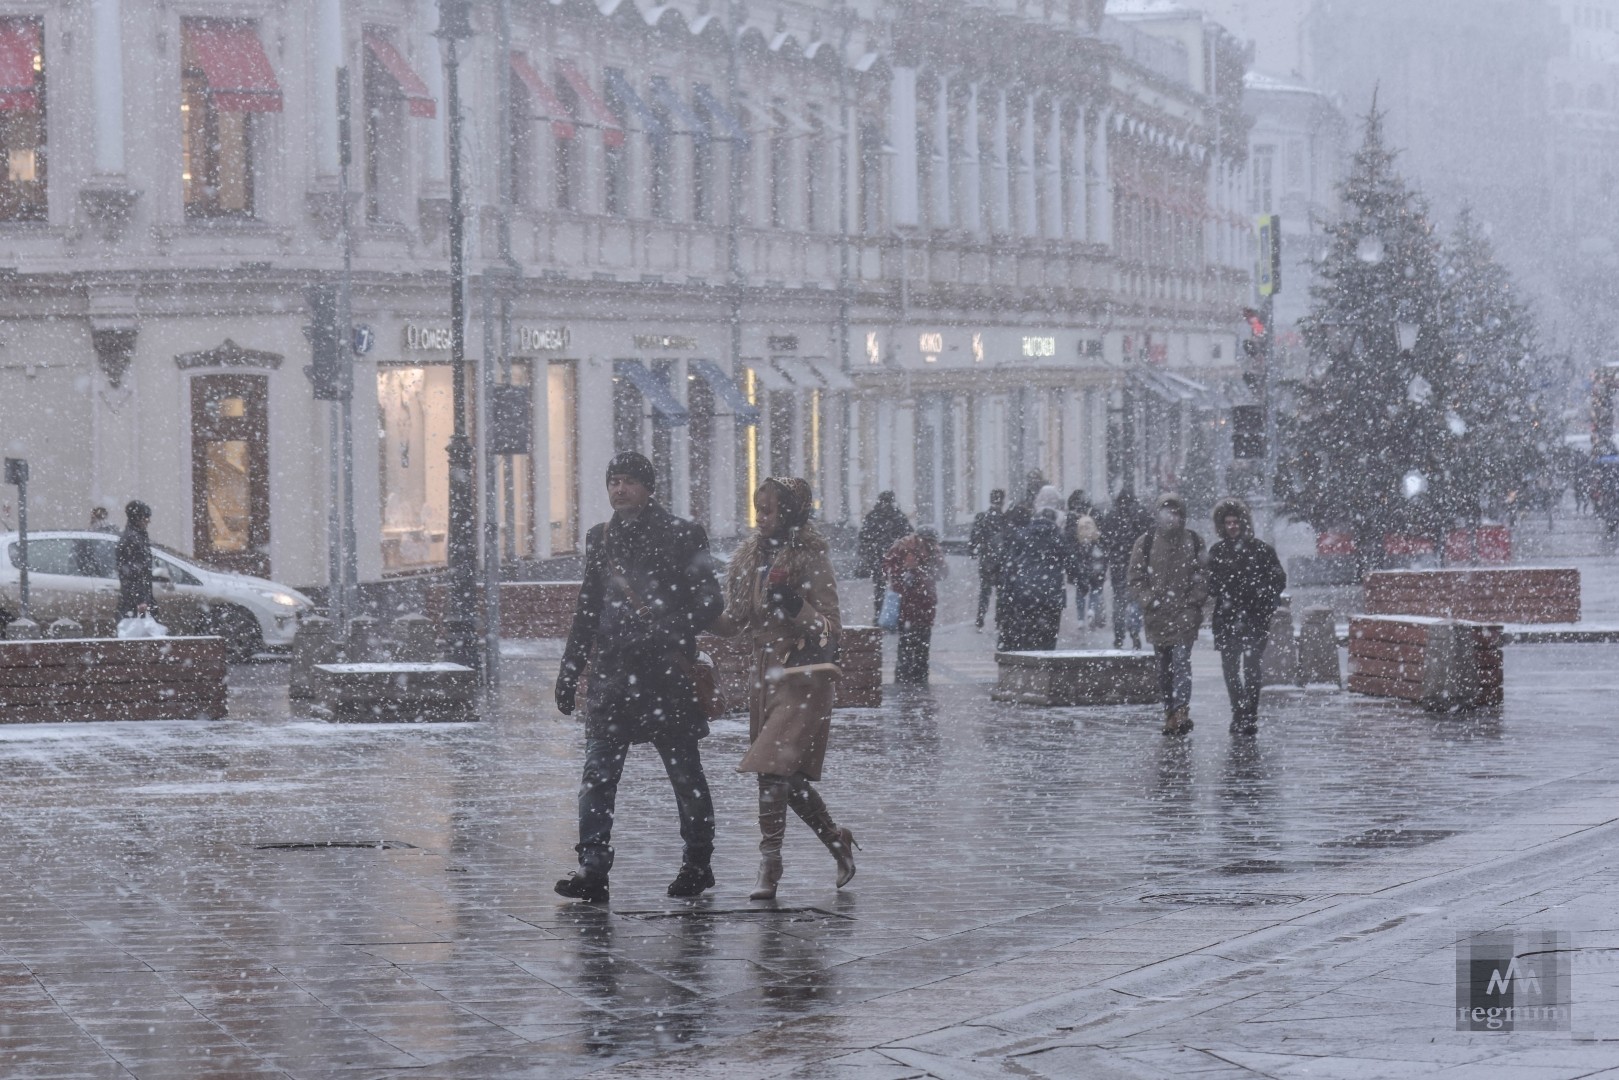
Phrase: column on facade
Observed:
(1075, 428)
(435, 141)
(904, 453)
(1027, 188)
(1096, 451)
(1100, 183)
(1055, 212)
(1001, 195)
(107, 84)
(328, 57)
(971, 180)
(942, 216)
(902, 135)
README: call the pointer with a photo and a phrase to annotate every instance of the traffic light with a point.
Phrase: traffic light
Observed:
(330, 372)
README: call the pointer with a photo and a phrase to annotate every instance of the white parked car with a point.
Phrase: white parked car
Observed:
(74, 575)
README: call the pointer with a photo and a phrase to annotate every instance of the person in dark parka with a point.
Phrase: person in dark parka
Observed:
(987, 544)
(135, 562)
(649, 589)
(1246, 581)
(1036, 584)
(883, 524)
(1124, 523)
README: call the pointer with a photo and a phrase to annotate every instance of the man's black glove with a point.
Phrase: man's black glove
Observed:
(567, 690)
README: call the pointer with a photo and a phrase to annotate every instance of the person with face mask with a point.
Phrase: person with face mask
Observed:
(1168, 579)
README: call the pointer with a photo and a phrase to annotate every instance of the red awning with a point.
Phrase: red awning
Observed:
(239, 75)
(612, 127)
(19, 45)
(410, 84)
(550, 106)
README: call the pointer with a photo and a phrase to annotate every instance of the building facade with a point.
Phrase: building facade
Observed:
(927, 248)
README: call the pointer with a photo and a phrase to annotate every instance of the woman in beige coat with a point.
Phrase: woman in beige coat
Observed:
(781, 593)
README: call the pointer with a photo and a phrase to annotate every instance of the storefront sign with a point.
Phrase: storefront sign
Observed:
(542, 338)
(930, 343)
(782, 342)
(1039, 346)
(655, 342)
(427, 338)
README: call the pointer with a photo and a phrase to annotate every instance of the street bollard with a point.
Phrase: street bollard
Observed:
(22, 630)
(415, 639)
(362, 645)
(312, 645)
(1280, 666)
(64, 630)
(1318, 648)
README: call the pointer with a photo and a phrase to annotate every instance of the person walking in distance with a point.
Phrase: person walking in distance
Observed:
(1125, 523)
(134, 560)
(1087, 569)
(1035, 585)
(987, 544)
(1246, 581)
(913, 568)
(781, 594)
(649, 589)
(883, 524)
(1169, 580)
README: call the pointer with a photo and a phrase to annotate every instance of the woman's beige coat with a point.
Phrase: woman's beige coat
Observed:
(789, 711)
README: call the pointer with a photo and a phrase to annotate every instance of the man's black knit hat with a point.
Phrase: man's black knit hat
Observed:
(635, 466)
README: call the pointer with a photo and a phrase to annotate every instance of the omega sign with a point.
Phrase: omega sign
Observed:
(542, 338)
(427, 338)
(1039, 346)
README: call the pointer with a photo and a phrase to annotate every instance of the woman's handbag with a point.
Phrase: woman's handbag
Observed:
(705, 681)
(888, 619)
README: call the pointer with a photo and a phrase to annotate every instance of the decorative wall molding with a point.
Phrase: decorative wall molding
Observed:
(229, 355)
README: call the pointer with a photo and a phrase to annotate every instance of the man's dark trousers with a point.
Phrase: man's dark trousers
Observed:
(598, 793)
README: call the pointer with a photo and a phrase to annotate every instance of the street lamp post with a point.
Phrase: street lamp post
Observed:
(460, 623)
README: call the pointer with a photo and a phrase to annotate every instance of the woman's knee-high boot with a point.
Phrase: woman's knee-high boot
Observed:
(772, 828)
(807, 803)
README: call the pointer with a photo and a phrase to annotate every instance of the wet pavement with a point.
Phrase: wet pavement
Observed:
(1042, 892)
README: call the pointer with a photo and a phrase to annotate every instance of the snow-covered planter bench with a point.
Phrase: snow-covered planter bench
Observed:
(1442, 664)
(396, 692)
(1077, 677)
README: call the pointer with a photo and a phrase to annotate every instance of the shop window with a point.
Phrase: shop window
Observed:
(564, 171)
(22, 120)
(230, 472)
(700, 447)
(562, 418)
(517, 483)
(416, 418)
(1264, 171)
(627, 409)
(225, 82)
(783, 413)
(523, 147)
(385, 110)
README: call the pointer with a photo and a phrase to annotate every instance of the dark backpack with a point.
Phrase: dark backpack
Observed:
(1037, 572)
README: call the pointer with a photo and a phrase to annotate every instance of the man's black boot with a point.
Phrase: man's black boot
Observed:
(692, 880)
(587, 887)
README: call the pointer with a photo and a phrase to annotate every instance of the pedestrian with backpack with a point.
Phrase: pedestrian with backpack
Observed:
(1036, 585)
(1169, 580)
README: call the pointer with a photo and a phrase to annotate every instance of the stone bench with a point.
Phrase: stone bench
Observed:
(1441, 664)
(1515, 595)
(396, 692)
(1078, 677)
(90, 679)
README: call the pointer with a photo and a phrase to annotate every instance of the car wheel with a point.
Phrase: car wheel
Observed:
(243, 638)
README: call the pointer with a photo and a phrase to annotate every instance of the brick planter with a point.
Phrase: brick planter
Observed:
(89, 679)
(1077, 677)
(1442, 664)
(396, 693)
(1517, 595)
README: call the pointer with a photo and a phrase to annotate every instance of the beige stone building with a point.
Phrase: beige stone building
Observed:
(926, 247)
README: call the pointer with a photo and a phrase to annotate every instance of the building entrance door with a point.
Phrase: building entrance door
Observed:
(230, 472)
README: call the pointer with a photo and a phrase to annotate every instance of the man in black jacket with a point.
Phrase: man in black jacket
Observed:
(1246, 581)
(649, 590)
(883, 524)
(135, 562)
(987, 544)
(1124, 523)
